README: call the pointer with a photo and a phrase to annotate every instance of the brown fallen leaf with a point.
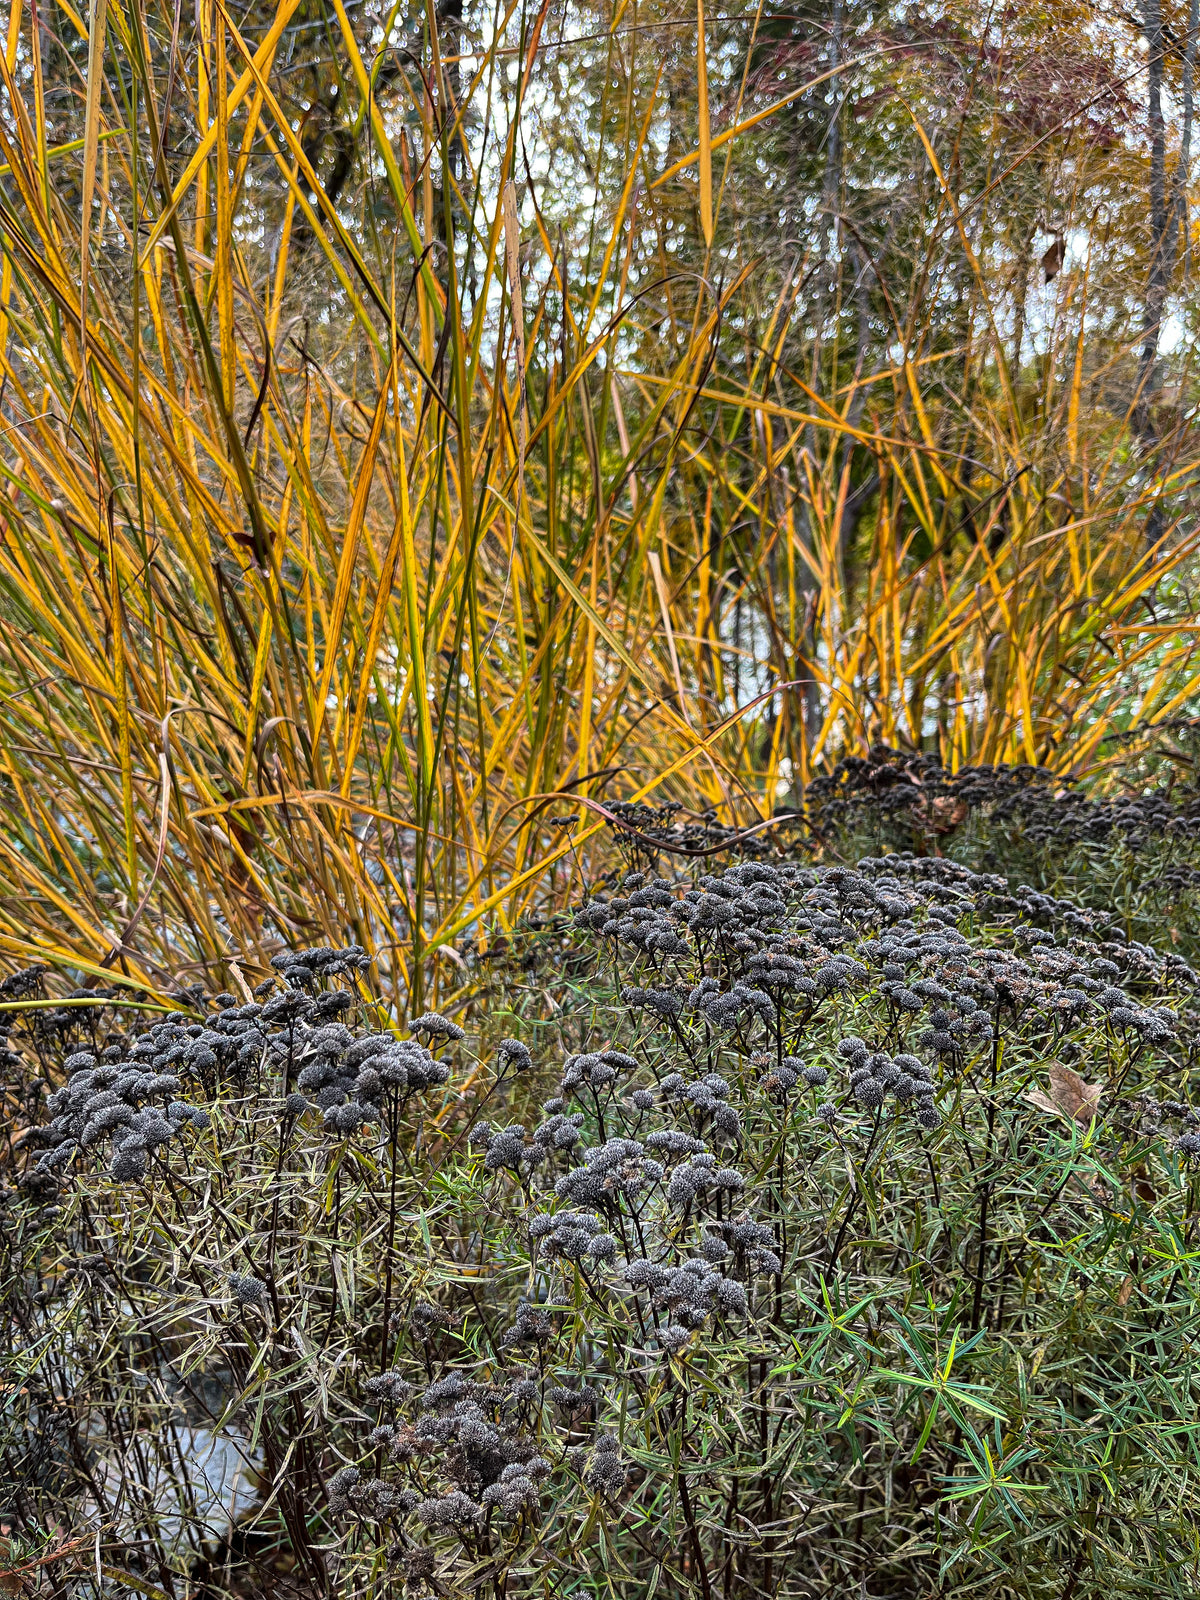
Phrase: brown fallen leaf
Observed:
(1069, 1096)
(942, 814)
(1143, 1186)
(1125, 1291)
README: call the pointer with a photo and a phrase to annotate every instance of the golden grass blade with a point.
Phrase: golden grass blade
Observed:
(349, 555)
(704, 152)
(97, 34)
(198, 161)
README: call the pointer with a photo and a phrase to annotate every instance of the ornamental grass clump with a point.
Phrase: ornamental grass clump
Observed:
(829, 1232)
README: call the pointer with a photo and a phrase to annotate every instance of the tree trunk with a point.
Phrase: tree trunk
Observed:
(1166, 213)
(1183, 170)
(1160, 218)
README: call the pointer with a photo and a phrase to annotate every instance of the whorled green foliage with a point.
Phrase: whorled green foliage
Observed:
(853, 1252)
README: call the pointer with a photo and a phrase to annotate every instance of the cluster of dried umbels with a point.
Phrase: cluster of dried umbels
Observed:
(304, 1054)
(646, 830)
(916, 800)
(766, 1012)
(638, 1188)
(125, 1097)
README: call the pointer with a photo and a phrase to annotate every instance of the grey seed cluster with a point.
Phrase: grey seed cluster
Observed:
(571, 1400)
(875, 1075)
(713, 1246)
(466, 1451)
(674, 1142)
(382, 1501)
(691, 1292)
(573, 1236)
(559, 1132)
(506, 1147)
(131, 1106)
(339, 1489)
(517, 1486)
(779, 972)
(435, 1026)
(895, 789)
(743, 1002)
(782, 1078)
(248, 1290)
(664, 1003)
(521, 1392)
(453, 1510)
(533, 1325)
(619, 1168)
(708, 1097)
(350, 1078)
(792, 928)
(131, 1099)
(418, 1565)
(605, 1472)
(446, 1391)
(301, 969)
(752, 1242)
(513, 1056)
(596, 1071)
(24, 982)
(389, 1388)
(1153, 1112)
(701, 1175)
(738, 909)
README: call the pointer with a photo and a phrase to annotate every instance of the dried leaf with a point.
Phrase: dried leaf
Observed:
(1053, 259)
(1143, 1186)
(943, 814)
(1125, 1291)
(1069, 1096)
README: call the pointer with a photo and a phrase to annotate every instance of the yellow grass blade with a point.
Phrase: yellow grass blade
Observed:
(704, 153)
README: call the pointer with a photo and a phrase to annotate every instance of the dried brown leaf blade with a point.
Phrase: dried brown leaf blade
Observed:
(1070, 1096)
